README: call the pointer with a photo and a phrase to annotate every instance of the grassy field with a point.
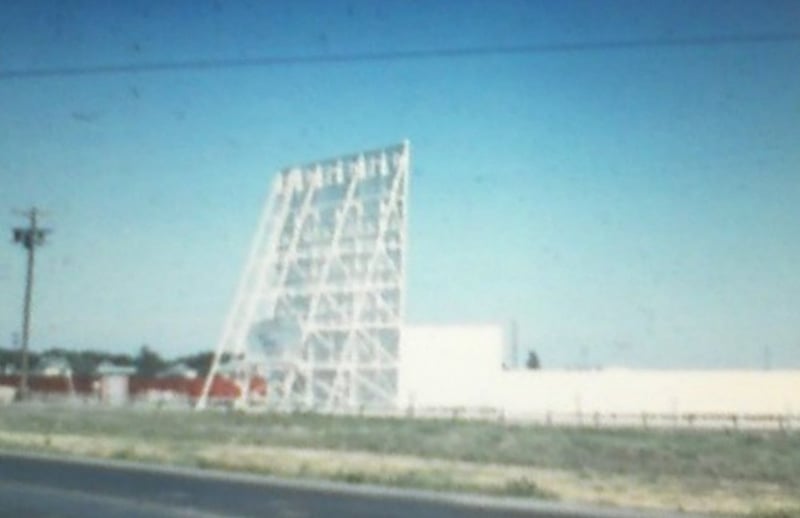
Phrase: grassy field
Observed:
(741, 473)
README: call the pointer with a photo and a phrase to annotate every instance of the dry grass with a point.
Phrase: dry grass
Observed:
(710, 472)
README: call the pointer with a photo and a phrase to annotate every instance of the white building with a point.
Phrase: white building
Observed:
(460, 367)
(114, 384)
(53, 366)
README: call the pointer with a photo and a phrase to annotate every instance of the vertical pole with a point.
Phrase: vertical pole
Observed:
(514, 345)
(30, 244)
(310, 361)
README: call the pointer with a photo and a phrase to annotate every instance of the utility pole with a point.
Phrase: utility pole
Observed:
(29, 237)
(514, 345)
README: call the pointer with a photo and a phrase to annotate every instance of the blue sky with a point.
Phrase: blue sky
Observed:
(631, 207)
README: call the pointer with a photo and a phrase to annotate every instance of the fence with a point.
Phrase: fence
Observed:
(643, 420)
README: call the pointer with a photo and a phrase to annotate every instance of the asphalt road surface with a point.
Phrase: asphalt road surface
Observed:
(43, 486)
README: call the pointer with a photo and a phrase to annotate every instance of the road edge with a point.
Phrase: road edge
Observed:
(572, 510)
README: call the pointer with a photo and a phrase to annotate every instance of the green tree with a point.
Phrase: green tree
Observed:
(148, 363)
(533, 360)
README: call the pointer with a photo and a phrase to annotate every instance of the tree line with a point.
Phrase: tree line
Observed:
(146, 360)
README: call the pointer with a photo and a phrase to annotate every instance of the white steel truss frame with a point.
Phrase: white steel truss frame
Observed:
(328, 256)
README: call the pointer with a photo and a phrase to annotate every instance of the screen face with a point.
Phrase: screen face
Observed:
(328, 261)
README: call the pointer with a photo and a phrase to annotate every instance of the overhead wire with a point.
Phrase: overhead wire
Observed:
(391, 55)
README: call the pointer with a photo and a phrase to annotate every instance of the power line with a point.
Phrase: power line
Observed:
(398, 55)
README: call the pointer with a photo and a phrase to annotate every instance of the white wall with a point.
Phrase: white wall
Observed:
(461, 366)
(114, 389)
(653, 391)
(450, 365)
(7, 394)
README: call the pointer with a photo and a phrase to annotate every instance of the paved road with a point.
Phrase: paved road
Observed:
(51, 487)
